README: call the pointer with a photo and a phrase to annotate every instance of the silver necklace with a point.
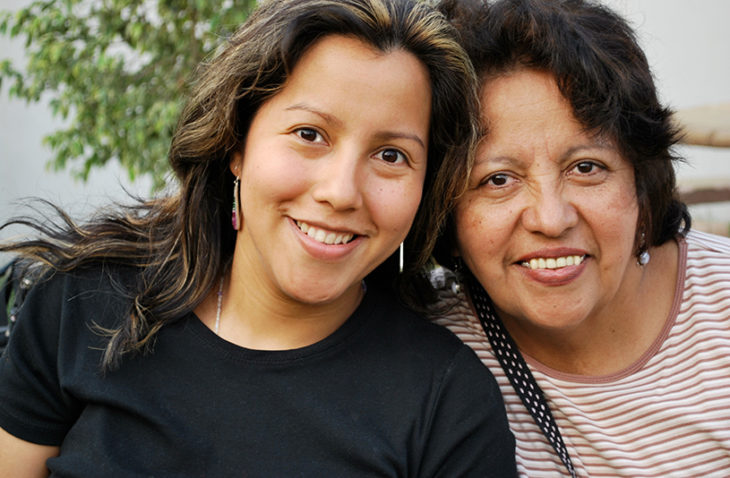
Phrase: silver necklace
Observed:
(219, 307)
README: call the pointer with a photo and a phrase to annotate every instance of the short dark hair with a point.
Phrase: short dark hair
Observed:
(602, 71)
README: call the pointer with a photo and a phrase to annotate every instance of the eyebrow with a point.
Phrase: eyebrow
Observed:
(501, 160)
(382, 135)
(598, 144)
(387, 135)
(325, 116)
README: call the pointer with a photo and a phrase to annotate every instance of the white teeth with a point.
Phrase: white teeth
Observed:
(325, 237)
(553, 262)
(319, 235)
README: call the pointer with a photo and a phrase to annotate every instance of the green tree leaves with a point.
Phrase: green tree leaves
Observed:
(116, 70)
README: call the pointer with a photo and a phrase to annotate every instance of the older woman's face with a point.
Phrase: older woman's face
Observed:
(548, 222)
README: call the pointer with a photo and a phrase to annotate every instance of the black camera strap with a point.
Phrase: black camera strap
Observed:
(517, 371)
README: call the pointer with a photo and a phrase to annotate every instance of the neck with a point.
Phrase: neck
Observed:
(617, 335)
(253, 317)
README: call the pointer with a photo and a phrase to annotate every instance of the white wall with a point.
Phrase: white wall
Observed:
(687, 43)
(688, 46)
(23, 157)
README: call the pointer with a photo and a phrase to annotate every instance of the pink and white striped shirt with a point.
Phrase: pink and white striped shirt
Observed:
(667, 415)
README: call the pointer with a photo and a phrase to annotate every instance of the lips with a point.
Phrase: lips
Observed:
(553, 267)
(325, 236)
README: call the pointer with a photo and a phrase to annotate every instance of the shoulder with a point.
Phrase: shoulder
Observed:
(408, 327)
(707, 255)
(706, 273)
(99, 292)
(425, 352)
(98, 278)
(452, 309)
(709, 243)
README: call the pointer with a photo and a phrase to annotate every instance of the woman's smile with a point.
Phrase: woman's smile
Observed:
(552, 262)
(331, 181)
(552, 267)
(323, 235)
(553, 271)
(325, 244)
(549, 220)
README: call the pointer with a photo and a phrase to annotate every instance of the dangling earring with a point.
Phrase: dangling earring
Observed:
(643, 257)
(400, 257)
(458, 267)
(235, 214)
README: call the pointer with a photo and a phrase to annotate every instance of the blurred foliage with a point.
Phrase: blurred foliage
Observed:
(117, 71)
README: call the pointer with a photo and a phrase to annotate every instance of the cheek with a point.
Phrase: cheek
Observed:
(620, 228)
(482, 229)
(394, 204)
(612, 227)
(277, 178)
(619, 218)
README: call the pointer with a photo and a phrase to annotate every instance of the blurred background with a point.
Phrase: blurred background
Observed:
(688, 47)
(687, 44)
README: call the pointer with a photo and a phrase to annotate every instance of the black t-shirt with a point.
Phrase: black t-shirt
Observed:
(387, 394)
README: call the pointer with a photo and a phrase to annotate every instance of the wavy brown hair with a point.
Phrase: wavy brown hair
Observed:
(179, 244)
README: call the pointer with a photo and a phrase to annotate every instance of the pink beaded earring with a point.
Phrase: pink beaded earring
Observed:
(236, 215)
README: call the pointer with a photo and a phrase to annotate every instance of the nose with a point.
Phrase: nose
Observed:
(550, 212)
(338, 181)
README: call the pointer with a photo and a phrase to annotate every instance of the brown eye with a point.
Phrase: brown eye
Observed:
(392, 156)
(586, 167)
(308, 134)
(497, 180)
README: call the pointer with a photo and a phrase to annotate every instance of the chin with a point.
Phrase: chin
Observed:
(556, 323)
(322, 294)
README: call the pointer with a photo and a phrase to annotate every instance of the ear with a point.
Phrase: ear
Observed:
(236, 163)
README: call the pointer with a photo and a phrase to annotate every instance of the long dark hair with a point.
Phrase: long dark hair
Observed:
(182, 242)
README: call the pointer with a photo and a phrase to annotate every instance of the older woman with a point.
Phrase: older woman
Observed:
(605, 318)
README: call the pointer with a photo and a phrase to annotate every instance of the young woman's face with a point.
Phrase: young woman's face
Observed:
(333, 169)
(549, 220)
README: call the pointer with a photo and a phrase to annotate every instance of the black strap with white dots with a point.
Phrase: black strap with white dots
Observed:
(517, 371)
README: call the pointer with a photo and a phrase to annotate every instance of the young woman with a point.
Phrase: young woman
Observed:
(170, 340)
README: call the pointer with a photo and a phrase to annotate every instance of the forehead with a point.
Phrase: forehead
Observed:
(523, 95)
(525, 107)
(336, 57)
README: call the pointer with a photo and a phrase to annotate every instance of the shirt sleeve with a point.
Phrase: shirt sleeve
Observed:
(470, 435)
(33, 405)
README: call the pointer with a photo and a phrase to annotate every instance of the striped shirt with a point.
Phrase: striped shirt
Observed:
(667, 415)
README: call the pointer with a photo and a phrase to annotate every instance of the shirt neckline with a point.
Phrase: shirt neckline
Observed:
(229, 351)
